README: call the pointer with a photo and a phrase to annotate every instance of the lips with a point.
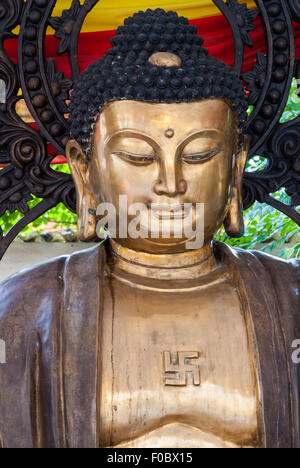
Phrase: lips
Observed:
(170, 212)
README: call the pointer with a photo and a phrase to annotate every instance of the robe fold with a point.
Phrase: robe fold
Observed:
(50, 319)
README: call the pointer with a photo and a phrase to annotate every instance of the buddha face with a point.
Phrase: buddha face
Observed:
(169, 158)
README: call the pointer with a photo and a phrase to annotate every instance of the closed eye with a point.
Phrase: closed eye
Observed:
(137, 159)
(198, 158)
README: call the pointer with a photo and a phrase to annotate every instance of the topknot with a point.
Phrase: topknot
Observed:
(126, 72)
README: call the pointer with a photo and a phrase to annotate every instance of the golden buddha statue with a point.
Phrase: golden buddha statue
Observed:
(141, 341)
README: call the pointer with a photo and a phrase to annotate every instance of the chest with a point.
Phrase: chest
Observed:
(176, 362)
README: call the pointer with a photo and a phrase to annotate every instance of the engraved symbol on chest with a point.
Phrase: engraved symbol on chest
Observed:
(180, 370)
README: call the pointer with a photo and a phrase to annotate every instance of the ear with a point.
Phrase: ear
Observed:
(86, 202)
(234, 221)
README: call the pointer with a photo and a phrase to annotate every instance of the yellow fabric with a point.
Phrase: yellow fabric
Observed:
(108, 14)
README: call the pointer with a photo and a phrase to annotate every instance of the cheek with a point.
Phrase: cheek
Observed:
(209, 181)
(95, 178)
(127, 179)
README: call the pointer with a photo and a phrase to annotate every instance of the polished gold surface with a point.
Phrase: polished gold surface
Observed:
(176, 358)
(191, 264)
(176, 362)
(134, 156)
(143, 342)
(178, 435)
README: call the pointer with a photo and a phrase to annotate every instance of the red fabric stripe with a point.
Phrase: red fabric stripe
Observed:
(215, 30)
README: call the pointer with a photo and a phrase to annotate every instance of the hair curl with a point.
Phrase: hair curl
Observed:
(125, 72)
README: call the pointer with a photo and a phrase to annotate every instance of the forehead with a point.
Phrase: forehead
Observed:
(183, 118)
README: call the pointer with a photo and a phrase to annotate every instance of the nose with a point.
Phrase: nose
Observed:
(170, 182)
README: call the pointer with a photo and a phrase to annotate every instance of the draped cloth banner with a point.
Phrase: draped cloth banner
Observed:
(109, 14)
(99, 27)
(100, 24)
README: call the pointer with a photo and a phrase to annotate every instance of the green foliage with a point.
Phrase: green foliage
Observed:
(60, 214)
(8, 220)
(264, 224)
(292, 109)
(265, 228)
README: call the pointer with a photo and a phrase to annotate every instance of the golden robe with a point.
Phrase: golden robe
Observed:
(49, 320)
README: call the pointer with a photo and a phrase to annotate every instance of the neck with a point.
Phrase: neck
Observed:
(191, 264)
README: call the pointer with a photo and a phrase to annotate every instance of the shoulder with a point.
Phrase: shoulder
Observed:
(35, 289)
(262, 265)
(273, 264)
(267, 260)
(37, 276)
(22, 293)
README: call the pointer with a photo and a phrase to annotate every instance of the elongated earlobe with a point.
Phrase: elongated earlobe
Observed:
(234, 220)
(86, 202)
(87, 220)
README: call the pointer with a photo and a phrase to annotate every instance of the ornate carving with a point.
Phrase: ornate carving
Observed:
(60, 87)
(64, 26)
(272, 97)
(295, 9)
(256, 79)
(10, 14)
(22, 148)
(244, 18)
(241, 20)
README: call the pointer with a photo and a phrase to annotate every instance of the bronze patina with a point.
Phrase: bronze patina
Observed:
(141, 342)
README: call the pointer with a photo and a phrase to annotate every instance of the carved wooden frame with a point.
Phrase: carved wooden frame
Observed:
(46, 90)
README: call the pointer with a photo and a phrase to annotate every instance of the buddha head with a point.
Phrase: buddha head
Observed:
(161, 122)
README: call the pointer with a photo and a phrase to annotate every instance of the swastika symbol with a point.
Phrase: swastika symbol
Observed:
(178, 368)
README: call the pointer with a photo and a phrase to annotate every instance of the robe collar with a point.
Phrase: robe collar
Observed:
(261, 307)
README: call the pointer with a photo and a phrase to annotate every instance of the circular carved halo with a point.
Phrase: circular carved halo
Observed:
(46, 91)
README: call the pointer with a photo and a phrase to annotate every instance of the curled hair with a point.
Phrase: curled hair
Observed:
(125, 72)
